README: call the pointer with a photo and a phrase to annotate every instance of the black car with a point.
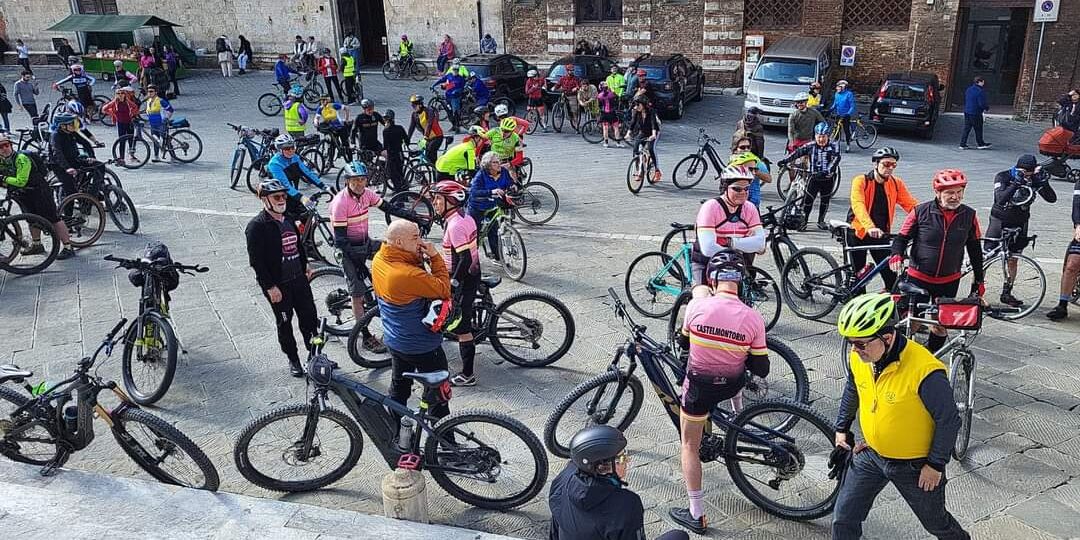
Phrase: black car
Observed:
(673, 80)
(504, 74)
(591, 68)
(909, 100)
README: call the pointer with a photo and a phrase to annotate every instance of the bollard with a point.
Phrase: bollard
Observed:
(404, 495)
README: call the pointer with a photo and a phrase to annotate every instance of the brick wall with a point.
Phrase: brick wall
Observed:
(1058, 70)
(721, 43)
(675, 28)
(609, 34)
(526, 28)
(560, 27)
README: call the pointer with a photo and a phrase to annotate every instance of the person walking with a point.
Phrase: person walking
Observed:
(447, 52)
(23, 51)
(974, 106)
(172, 63)
(25, 90)
(224, 55)
(65, 52)
(245, 54)
(909, 432)
(328, 69)
(277, 255)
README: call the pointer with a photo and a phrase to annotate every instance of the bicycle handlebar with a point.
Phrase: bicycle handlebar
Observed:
(155, 265)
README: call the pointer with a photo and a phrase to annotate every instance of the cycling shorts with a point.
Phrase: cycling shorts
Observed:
(466, 295)
(609, 117)
(1073, 249)
(39, 202)
(353, 264)
(994, 231)
(536, 102)
(702, 393)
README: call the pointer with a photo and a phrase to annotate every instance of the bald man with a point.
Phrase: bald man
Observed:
(404, 289)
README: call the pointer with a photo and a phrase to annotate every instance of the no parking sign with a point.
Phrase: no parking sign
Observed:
(847, 55)
(1046, 11)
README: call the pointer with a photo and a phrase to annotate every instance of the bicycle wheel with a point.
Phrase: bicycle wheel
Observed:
(17, 238)
(558, 116)
(271, 453)
(317, 160)
(311, 96)
(84, 217)
(783, 249)
(149, 359)
(419, 71)
(536, 203)
(653, 281)
(121, 209)
(163, 451)
(25, 439)
(390, 70)
(270, 104)
(461, 456)
(961, 368)
(332, 299)
(413, 202)
(673, 241)
(764, 295)
(635, 176)
(359, 352)
(323, 239)
(865, 135)
(592, 132)
(689, 171)
(783, 180)
(593, 402)
(811, 283)
(531, 329)
(138, 152)
(1028, 285)
(838, 178)
(675, 324)
(792, 466)
(97, 115)
(236, 170)
(515, 260)
(184, 145)
(532, 117)
(256, 174)
(440, 107)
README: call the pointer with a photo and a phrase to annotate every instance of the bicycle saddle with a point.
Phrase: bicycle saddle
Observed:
(429, 378)
(837, 224)
(909, 289)
(491, 281)
(682, 226)
(11, 372)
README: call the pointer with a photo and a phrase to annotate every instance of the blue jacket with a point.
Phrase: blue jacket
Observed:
(282, 70)
(281, 168)
(481, 92)
(455, 80)
(975, 100)
(844, 103)
(403, 327)
(482, 185)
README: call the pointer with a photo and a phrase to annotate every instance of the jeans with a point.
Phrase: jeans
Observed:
(355, 53)
(331, 84)
(401, 387)
(4, 117)
(242, 61)
(455, 108)
(31, 109)
(440, 63)
(973, 121)
(25, 63)
(295, 299)
(121, 130)
(867, 476)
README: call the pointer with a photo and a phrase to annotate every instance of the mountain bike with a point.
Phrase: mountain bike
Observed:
(395, 68)
(777, 444)
(248, 148)
(271, 103)
(178, 141)
(512, 255)
(150, 342)
(864, 134)
(316, 234)
(17, 232)
(1027, 282)
(528, 329)
(641, 166)
(332, 299)
(690, 170)
(483, 458)
(82, 213)
(96, 180)
(49, 422)
(791, 181)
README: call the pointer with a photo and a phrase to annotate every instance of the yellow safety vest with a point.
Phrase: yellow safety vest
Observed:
(292, 118)
(894, 420)
(350, 66)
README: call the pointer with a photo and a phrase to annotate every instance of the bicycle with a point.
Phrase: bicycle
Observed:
(315, 232)
(82, 213)
(303, 447)
(512, 255)
(1027, 285)
(694, 166)
(593, 132)
(17, 233)
(49, 422)
(67, 93)
(397, 68)
(247, 147)
(527, 329)
(36, 138)
(777, 443)
(271, 104)
(641, 166)
(560, 111)
(864, 134)
(791, 181)
(150, 341)
(99, 182)
(323, 155)
(378, 175)
(813, 284)
(183, 144)
(331, 293)
(258, 172)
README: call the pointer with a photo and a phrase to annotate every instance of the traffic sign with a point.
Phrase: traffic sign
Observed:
(1046, 11)
(847, 55)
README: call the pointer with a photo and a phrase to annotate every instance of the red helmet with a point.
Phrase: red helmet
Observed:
(453, 191)
(641, 73)
(949, 178)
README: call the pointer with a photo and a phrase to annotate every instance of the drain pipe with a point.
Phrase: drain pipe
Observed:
(914, 39)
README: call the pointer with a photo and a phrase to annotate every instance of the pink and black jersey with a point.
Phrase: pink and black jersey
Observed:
(348, 210)
(723, 332)
(460, 236)
(713, 215)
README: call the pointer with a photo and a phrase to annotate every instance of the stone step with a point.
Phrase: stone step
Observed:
(76, 504)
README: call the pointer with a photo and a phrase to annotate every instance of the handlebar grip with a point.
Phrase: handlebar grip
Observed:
(201, 269)
(119, 325)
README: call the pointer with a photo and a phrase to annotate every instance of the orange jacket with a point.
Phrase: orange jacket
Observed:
(398, 277)
(862, 197)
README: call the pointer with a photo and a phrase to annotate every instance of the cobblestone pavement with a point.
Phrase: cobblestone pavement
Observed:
(1020, 479)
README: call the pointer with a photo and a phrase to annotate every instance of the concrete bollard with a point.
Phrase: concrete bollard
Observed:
(404, 495)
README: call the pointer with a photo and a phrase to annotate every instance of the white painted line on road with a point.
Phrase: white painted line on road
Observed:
(202, 211)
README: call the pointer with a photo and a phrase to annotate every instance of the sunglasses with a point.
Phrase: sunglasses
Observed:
(740, 147)
(861, 345)
(738, 189)
(889, 164)
(276, 197)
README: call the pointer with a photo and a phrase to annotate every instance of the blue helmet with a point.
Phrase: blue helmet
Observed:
(296, 90)
(75, 108)
(821, 128)
(355, 168)
(63, 119)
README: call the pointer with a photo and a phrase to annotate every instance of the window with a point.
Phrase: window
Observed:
(592, 11)
(877, 14)
(519, 65)
(785, 71)
(772, 14)
(98, 7)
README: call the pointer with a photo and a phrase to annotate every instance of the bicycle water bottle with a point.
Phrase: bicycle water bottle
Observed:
(405, 434)
(71, 418)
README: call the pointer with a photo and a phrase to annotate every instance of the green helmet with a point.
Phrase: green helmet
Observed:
(867, 315)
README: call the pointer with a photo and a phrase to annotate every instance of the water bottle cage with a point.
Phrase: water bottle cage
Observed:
(409, 462)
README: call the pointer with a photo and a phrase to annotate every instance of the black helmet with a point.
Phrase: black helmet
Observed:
(726, 265)
(366, 103)
(885, 152)
(389, 114)
(270, 187)
(595, 445)
(479, 110)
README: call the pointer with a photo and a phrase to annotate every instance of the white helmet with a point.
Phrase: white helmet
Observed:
(117, 63)
(5, 137)
(284, 141)
(502, 110)
(802, 96)
(733, 173)
(842, 82)
(532, 73)
(342, 50)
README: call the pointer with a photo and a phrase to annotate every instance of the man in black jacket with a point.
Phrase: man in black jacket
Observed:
(1071, 269)
(1014, 192)
(276, 253)
(64, 158)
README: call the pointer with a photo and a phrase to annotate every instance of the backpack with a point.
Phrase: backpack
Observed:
(169, 279)
(220, 45)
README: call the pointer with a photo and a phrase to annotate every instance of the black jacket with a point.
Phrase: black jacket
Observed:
(264, 250)
(1005, 185)
(1069, 116)
(590, 508)
(64, 149)
(936, 245)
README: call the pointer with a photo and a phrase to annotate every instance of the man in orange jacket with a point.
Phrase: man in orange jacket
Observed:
(874, 198)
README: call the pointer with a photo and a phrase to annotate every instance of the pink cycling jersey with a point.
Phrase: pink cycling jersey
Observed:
(460, 235)
(723, 331)
(347, 210)
(712, 216)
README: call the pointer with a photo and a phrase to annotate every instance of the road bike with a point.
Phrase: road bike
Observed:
(641, 166)
(248, 148)
(51, 421)
(151, 343)
(528, 328)
(96, 180)
(183, 144)
(690, 170)
(483, 458)
(864, 134)
(1028, 281)
(411, 68)
(17, 236)
(776, 444)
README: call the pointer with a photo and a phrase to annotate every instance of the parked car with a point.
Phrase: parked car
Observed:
(504, 74)
(908, 100)
(673, 80)
(591, 68)
(787, 68)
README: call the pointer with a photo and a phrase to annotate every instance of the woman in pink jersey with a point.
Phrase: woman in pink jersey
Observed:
(729, 220)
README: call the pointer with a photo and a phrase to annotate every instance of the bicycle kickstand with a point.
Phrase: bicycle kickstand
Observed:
(54, 464)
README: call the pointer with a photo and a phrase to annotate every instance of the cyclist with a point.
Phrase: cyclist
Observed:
(480, 91)
(483, 116)
(64, 157)
(609, 114)
(801, 122)
(74, 107)
(506, 143)
(427, 121)
(938, 232)
(491, 181)
(727, 221)
(589, 499)
(813, 99)
(460, 157)
(616, 82)
(843, 108)
(874, 198)
(824, 159)
(454, 84)
(366, 127)
(586, 98)
(395, 140)
(456, 67)
(405, 52)
(332, 118)
(83, 83)
(1009, 213)
(909, 433)
(287, 167)
(644, 130)
(502, 112)
(123, 109)
(725, 338)
(121, 76)
(296, 114)
(462, 257)
(282, 69)
(570, 84)
(1070, 271)
(25, 179)
(534, 90)
(741, 155)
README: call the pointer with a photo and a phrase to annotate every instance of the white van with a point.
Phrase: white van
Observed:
(787, 68)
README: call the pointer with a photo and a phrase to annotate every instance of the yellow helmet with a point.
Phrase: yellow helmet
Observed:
(867, 315)
(508, 124)
(743, 158)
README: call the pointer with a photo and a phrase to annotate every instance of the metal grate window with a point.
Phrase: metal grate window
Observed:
(593, 11)
(877, 14)
(770, 14)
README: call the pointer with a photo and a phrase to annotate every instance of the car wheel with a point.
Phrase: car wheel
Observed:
(700, 90)
(680, 108)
